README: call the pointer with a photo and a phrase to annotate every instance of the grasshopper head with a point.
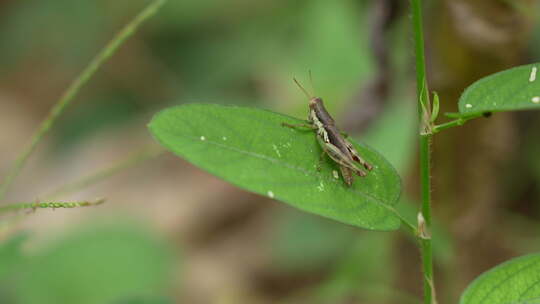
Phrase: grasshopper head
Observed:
(314, 101)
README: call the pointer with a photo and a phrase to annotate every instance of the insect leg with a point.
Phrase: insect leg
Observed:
(334, 153)
(347, 175)
(342, 159)
(357, 156)
(296, 126)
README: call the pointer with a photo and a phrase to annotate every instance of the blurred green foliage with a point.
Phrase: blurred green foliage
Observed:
(194, 51)
(10, 254)
(296, 233)
(98, 262)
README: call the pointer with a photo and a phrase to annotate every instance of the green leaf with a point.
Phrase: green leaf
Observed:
(249, 148)
(513, 282)
(436, 107)
(513, 89)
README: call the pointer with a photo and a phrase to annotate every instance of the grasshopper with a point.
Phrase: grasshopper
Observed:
(332, 141)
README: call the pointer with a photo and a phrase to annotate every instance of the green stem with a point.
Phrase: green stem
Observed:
(454, 123)
(49, 205)
(426, 250)
(425, 153)
(448, 125)
(68, 95)
(406, 225)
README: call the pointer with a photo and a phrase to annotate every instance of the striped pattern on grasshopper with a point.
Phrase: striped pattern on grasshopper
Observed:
(332, 141)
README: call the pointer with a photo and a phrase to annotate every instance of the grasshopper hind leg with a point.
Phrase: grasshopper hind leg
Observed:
(341, 159)
(297, 126)
(347, 175)
(357, 157)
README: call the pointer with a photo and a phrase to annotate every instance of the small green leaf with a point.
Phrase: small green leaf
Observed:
(249, 148)
(513, 89)
(513, 282)
(436, 106)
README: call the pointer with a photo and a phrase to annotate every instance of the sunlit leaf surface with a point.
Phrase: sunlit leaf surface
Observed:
(249, 148)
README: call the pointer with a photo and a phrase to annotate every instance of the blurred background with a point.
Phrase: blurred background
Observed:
(171, 233)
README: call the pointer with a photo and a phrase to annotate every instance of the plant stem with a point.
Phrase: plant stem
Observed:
(426, 250)
(425, 152)
(448, 125)
(68, 95)
(49, 205)
(406, 225)
(454, 123)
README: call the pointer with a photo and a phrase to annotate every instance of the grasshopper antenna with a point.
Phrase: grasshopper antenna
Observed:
(311, 82)
(302, 88)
